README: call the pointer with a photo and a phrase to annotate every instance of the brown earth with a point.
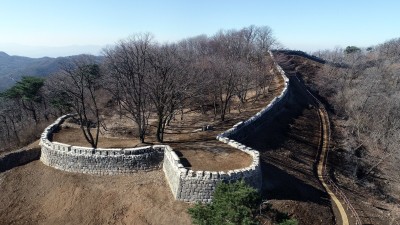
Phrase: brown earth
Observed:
(203, 153)
(38, 194)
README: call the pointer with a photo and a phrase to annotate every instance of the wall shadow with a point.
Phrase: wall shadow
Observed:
(272, 132)
(278, 184)
(18, 158)
(270, 135)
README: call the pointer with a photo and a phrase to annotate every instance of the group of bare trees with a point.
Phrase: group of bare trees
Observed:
(148, 80)
(74, 89)
(365, 92)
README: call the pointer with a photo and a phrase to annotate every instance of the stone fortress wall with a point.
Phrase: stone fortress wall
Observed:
(199, 186)
(186, 185)
(97, 161)
(242, 129)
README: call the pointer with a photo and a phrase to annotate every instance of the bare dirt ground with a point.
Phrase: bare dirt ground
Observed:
(37, 194)
(198, 151)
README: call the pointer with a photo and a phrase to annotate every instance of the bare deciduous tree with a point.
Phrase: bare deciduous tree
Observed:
(75, 87)
(168, 84)
(129, 67)
(363, 88)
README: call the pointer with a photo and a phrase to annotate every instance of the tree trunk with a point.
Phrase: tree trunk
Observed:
(30, 109)
(160, 131)
(141, 133)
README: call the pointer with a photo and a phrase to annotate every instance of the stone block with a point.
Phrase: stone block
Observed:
(215, 175)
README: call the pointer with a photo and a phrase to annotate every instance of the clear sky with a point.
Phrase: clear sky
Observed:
(37, 28)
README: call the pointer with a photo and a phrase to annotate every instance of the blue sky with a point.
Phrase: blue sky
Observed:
(63, 27)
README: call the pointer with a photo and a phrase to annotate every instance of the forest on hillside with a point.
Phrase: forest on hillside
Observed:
(362, 87)
(13, 68)
(141, 79)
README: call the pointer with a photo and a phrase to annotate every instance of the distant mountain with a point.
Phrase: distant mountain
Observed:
(12, 68)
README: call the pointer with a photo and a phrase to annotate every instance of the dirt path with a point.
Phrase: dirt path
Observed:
(322, 168)
(372, 206)
(338, 208)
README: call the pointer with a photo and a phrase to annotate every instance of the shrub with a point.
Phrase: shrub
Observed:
(233, 203)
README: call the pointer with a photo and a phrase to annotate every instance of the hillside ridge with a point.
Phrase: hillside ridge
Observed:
(13, 67)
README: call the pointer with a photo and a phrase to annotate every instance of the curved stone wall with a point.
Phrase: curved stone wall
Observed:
(185, 184)
(241, 129)
(99, 161)
(199, 186)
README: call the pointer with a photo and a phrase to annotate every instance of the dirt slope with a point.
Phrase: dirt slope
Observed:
(288, 144)
(370, 208)
(37, 194)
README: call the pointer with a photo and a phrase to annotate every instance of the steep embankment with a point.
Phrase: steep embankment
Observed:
(288, 145)
(369, 209)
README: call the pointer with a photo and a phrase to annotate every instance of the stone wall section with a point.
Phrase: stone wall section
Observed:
(199, 186)
(185, 184)
(173, 168)
(239, 130)
(100, 161)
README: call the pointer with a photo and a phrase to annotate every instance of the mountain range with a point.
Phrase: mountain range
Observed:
(12, 68)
